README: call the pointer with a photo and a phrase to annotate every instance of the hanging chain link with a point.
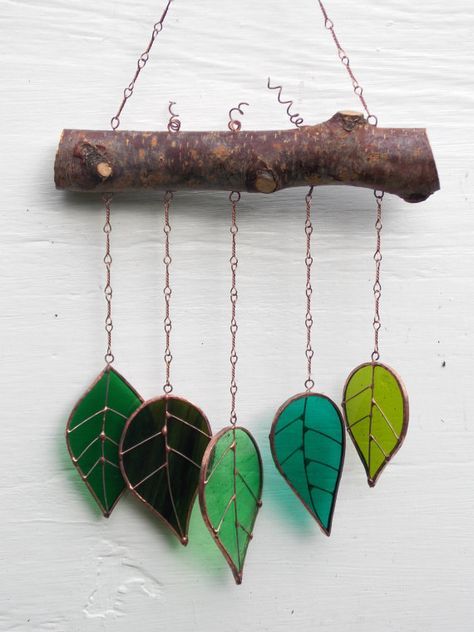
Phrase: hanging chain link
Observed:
(358, 89)
(167, 292)
(141, 63)
(372, 119)
(234, 198)
(308, 227)
(377, 285)
(174, 125)
(109, 356)
(234, 125)
(107, 198)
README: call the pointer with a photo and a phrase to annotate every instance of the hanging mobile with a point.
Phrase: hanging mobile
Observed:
(230, 486)
(375, 401)
(163, 442)
(164, 451)
(95, 425)
(307, 436)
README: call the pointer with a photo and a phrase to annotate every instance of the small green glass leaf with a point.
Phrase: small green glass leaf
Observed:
(93, 434)
(376, 414)
(307, 440)
(160, 455)
(230, 492)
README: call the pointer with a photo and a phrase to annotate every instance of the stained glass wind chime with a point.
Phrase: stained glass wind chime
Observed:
(163, 450)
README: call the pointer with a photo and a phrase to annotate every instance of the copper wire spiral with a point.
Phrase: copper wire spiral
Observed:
(295, 117)
(234, 124)
(174, 124)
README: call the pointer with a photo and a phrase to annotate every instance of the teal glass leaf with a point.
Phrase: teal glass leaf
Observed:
(230, 492)
(160, 455)
(307, 441)
(93, 433)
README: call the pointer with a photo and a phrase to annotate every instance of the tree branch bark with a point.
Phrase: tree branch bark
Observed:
(344, 150)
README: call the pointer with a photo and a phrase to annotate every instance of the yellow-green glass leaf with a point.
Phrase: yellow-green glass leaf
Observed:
(93, 434)
(307, 441)
(230, 492)
(376, 414)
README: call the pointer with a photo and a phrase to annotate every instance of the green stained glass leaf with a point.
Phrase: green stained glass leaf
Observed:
(160, 455)
(307, 440)
(230, 492)
(376, 414)
(93, 434)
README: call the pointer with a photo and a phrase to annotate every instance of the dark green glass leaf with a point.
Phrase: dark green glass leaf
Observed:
(93, 434)
(230, 492)
(160, 454)
(308, 441)
(376, 413)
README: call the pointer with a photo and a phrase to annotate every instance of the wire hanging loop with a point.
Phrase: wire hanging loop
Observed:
(141, 63)
(174, 124)
(234, 124)
(308, 227)
(167, 325)
(109, 356)
(358, 89)
(294, 117)
(377, 324)
(234, 198)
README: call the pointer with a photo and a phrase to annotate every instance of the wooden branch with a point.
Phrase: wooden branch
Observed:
(344, 150)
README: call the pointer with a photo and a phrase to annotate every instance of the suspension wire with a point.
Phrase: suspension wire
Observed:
(174, 125)
(107, 197)
(234, 126)
(308, 227)
(379, 195)
(377, 285)
(358, 89)
(107, 229)
(234, 198)
(141, 63)
(167, 292)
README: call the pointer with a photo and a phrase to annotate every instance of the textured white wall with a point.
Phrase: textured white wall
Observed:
(401, 556)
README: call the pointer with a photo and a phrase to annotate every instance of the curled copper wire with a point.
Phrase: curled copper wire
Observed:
(294, 117)
(234, 124)
(174, 124)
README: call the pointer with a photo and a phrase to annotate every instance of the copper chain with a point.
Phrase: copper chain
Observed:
(234, 125)
(308, 227)
(377, 285)
(174, 125)
(107, 198)
(167, 291)
(372, 119)
(234, 198)
(109, 356)
(358, 89)
(141, 63)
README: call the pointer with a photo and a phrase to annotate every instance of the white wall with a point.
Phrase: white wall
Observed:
(401, 556)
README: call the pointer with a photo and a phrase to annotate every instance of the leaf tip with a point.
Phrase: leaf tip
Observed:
(184, 540)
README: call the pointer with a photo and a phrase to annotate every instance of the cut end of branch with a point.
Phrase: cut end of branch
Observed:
(350, 119)
(104, 170)
(265, 182)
